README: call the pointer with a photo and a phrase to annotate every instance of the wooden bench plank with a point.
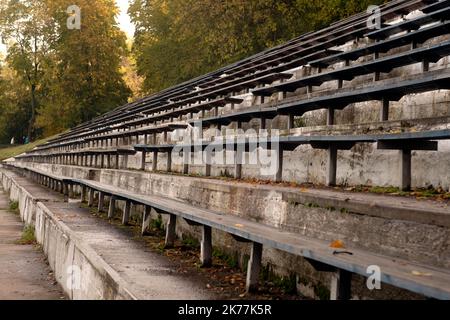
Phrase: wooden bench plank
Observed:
(397, 272)
(348, 73)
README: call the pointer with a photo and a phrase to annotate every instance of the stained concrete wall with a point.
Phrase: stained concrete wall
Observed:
(410, 238)
(363, 165)
(27, 204)
(64, 249)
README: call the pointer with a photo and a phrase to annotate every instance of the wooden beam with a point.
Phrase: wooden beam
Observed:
(125, 161)
(169, 161)
(155, 161)
(91, 197)
(144, 156)
(263, 123)
(291, 122)
(405, 170)
(207, 170)
(239, 157)
(280, 156)
(425, 65)
(384, 114)
(186, 162)
(101, 201)
(422, 145)
(340, 288)
(254, 267)
(71, 192)
(206, 247)
(171, 231)
(146, 218)
(331, 165)
(112, 207)
(330, 116)
(65, 190)
(83, 193)
(126, 213)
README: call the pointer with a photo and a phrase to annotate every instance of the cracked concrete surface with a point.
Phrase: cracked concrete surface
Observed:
(24, 274)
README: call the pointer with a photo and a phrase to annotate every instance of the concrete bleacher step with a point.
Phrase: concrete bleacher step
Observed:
(432, 53)
(150, 276)
(116, 259)
(229, 89)
(398, 272)
(432, 14)
(317, 41)
(419, 36)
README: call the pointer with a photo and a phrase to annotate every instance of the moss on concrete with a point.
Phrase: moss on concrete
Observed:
(28, 236)
(14, 207)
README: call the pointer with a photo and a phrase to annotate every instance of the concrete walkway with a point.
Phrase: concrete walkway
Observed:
(147, 274)
(24, 274)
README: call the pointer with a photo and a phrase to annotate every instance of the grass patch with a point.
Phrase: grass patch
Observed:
(12, 151)
(383, 190)
(157, 224)
(419, 193)
(28, 236)
(14, 207)
(225, 174)
(428, 193)
(300, 122)
(322, 292)
(311, 205)
(190, 242)
(287, 284)
(230, 261)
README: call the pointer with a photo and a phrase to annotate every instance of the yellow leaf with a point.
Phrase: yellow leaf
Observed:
(421, 274)
(338, 244)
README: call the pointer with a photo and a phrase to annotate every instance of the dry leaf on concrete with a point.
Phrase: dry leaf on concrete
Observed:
(338, 244)
(421, 274)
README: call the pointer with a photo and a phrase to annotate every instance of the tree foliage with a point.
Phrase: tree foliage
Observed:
(177, 40)
(87, 61)
(54, 78)
(25, 27)
(72, 75)
(14, 103)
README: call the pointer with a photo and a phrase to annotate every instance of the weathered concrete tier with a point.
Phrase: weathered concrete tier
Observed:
(24, 274)
(111, 265)
(400, 227)
(364, 164)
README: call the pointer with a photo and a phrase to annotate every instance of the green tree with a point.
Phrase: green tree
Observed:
(71, 75)
(24, 26)
(14, 104)
(85, 79)
(177, 40)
